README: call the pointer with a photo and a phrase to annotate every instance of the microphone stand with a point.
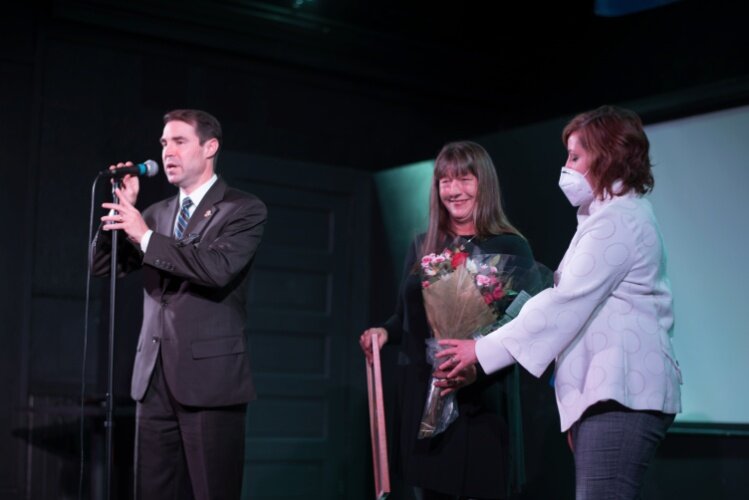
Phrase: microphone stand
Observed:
(108, 422)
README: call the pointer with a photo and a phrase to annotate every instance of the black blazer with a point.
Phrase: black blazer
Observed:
(194, 310)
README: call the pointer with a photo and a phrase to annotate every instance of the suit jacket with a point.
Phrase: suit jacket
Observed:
(194, 310)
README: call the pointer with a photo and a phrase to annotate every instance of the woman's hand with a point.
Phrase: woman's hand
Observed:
(365, 341)
(458, 354)
(462, 379)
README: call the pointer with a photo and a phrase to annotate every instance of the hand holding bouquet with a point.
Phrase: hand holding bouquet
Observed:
(466, 296)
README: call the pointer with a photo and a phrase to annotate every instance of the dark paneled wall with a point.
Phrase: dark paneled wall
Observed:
(16, 101)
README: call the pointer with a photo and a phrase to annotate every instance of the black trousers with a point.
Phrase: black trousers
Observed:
(186, 452)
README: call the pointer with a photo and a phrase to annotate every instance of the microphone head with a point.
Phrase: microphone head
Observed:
(151, 168)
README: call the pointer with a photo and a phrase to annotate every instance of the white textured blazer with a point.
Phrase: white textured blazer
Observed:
(608, 320)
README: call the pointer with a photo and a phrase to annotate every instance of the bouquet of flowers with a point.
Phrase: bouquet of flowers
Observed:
(466, 296)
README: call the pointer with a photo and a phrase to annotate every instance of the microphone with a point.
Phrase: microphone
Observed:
(149, 168)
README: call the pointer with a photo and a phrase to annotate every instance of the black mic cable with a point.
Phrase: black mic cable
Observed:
(89, 256)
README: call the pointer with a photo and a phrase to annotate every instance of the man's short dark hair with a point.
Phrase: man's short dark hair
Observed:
(206, 125)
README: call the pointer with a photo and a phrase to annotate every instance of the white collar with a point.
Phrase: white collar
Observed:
(199, 193)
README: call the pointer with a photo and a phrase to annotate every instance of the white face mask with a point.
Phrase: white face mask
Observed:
(575, 187)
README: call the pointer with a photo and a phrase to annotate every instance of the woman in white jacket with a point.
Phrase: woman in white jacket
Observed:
(608, 319)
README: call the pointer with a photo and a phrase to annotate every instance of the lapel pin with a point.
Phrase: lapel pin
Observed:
(207, 214)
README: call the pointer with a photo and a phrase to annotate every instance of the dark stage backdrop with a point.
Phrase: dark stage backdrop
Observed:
(307, 432)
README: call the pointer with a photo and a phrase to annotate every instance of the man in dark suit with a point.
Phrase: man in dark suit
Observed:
(191, 377)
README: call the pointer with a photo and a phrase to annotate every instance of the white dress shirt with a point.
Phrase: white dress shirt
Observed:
(196, 196)
(607, 321)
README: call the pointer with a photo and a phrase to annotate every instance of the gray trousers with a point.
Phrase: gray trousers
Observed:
(613, 446)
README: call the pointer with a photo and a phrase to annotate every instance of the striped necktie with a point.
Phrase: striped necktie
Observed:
(182, 218)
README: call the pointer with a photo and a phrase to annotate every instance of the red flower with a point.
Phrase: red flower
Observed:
(458, 258)
(488, 298)
(498, 292)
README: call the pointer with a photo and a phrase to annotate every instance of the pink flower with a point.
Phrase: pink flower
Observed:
(482, 280)
(425, 284)
(498, 292)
